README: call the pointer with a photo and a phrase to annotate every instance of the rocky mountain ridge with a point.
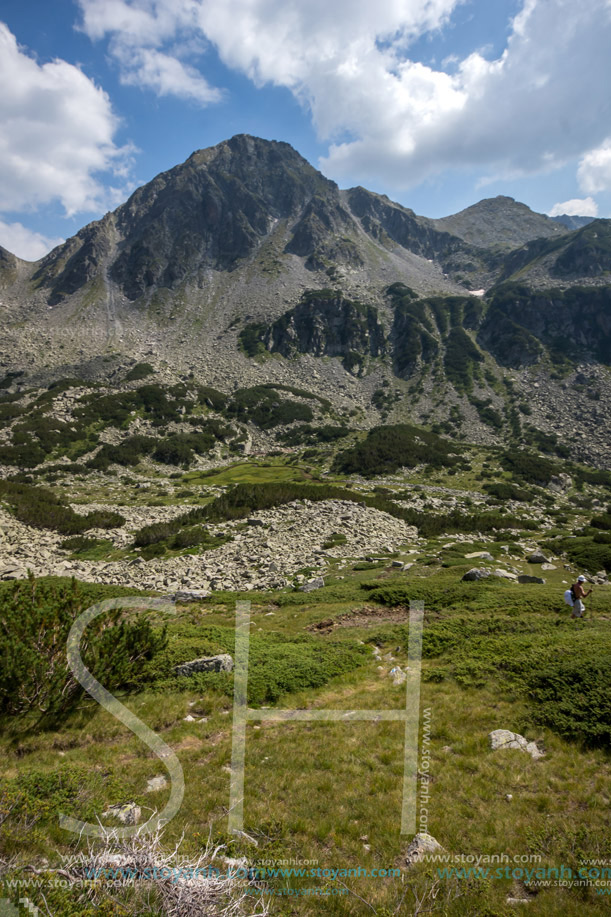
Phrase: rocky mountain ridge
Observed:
(244, 265)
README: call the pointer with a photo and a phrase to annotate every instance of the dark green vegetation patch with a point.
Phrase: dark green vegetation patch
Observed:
(41, 508)
(388, 448)
(37, 617)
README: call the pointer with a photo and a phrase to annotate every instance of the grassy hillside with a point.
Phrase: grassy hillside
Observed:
(496, 655)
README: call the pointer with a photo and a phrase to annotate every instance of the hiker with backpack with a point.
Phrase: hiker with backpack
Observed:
(575, 595)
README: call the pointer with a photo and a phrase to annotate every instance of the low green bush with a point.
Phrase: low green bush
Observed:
(504, 491)
(34, 672)
(41, 508)
(262, 406)
(281, 668)
(139, 371)
(78, 544)
(388, 448)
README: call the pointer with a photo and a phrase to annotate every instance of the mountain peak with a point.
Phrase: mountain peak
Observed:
(499, 222)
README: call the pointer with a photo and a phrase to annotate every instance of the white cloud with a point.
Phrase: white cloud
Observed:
(24, 243)
(285, 42)
(581, 207)
(594, 172)
(138, 33)
(536, 107)
(389, 118)
(57, 133)
(166, 75)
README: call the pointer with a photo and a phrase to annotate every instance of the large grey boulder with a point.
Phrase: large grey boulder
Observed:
(504, 738)
(525, 578)
(537, 558)
(474, 574)
(317, 583)
(12, 571)
(221, 663)
(560, 483)
(190, 596)
(504, 574)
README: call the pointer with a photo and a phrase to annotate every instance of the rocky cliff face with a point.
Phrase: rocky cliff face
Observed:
(8, 267)
(323, 323)
(521, 322)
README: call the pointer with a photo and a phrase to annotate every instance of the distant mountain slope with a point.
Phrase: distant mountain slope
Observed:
(499, 222)
(572, 222)
(583, 256)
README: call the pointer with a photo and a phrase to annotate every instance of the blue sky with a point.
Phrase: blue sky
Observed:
(437, 103)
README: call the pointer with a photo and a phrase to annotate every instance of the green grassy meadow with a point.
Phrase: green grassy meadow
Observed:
(331, 792)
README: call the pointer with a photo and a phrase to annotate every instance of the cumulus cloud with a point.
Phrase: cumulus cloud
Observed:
(594, 173)
(166, 75)
(57, 133)
(580, 207)
(25, 243)
(542, 103)
(386, 116)
(148, 39)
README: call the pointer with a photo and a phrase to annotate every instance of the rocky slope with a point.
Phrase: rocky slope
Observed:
(500, 222)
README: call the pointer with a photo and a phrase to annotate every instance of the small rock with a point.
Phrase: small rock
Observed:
(525, 578)
(421, 845)
(128, 813)
(313, 584)
(220, 663)
(504, 738)
(156, 783)
(398, 675)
